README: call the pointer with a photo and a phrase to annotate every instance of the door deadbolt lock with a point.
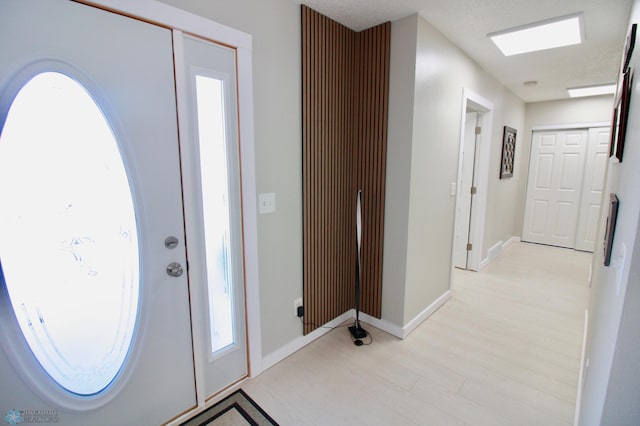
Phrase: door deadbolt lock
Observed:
(174, 269)
(171, 242)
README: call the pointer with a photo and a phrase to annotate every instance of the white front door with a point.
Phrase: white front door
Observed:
(592, 187)
(94, 315)
(554, 187)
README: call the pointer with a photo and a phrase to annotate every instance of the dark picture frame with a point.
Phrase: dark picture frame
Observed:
(613, 133)
(628, 47)
(508, 152)
(610, 229)
(621, 116)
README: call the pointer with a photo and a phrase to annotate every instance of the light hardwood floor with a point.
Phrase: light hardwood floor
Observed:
(504, 350)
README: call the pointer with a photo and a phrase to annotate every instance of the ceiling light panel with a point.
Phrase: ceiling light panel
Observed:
(549, 34)
(605, 89)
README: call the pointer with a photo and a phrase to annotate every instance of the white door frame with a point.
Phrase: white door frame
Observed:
(570, 126)
(177, 19)
(482, 105)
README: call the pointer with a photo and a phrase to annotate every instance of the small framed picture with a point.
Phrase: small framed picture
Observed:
(628, 47)
(614, 133)
(620, 116)
(610, 229)
(508, 152)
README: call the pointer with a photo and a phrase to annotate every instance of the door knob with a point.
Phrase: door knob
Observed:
(174, 269)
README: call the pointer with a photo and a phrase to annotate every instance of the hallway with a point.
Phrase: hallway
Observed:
(504, 350)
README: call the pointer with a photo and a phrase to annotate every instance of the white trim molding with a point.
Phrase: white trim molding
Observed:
(492, 253)
(168, 16)
(510, 241)
(403, 332)
(583, 369)
(481, 171)
(496, 250)
(384, 325)
(295, 345)
(400, 332)
(570, 126)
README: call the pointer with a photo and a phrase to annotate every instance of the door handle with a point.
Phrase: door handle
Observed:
(174, 269)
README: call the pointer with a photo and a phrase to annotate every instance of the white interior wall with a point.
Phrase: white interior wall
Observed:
(621, 406)
(398, 179)
(609, 393)
(441, 73)
(502, 213)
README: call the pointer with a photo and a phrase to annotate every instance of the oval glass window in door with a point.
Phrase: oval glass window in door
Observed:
(68, 236)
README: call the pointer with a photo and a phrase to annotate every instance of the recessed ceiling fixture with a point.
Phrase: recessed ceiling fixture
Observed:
(604, 89)
(557, 32)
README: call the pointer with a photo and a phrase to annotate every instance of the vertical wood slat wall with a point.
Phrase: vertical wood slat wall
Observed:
(372, 76)
(345, 80)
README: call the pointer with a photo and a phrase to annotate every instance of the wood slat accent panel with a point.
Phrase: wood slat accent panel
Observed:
(343, 149)
(372, 71)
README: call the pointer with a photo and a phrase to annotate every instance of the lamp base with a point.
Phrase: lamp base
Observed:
(357, 332)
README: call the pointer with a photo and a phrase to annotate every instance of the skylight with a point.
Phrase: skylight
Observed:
(605, 89)
(549, 34)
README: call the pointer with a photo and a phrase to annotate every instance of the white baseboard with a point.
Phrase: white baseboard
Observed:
(510, 241)
(278, 355)
(496, 250)
(576, 415)
(382, 324)
(422, 316)
(493, 252)
(401, 332)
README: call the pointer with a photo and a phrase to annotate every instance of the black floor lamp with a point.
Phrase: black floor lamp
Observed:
(357, 332)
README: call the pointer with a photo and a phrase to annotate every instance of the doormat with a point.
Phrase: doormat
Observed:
(238, 409)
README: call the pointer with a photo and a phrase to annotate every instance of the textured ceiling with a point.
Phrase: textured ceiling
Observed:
(467, 22)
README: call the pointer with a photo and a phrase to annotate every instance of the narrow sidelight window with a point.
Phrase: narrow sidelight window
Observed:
(215, 199)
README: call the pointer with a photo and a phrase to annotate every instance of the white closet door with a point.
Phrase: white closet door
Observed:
(554, 187)
(593, 185)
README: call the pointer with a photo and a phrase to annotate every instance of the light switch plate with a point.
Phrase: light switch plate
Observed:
(267, 203)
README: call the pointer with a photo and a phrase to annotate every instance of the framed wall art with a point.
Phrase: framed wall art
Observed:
(610, 228)
(508, 152)
(628, 47)
(620, 116)
(613, 133)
